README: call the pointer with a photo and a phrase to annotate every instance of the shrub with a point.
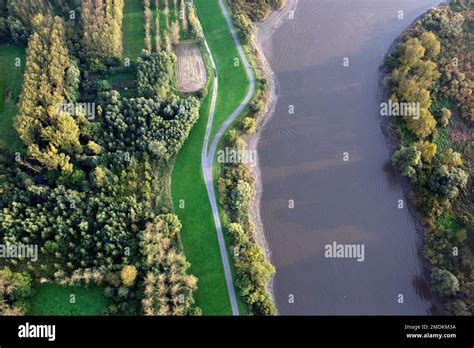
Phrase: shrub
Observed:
(249, 125)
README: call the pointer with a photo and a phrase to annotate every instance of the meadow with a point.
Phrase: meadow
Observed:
(11, 77)
(54, 299)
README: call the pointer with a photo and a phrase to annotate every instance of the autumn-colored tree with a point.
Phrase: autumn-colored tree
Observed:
(425, 74)
(168, 288)
(431, 44)
(176, 15)
(146, 4)
(184, 17)
(422, 126)
(411, 52)
(452, 158)
(249, 125)
(166, 12)
(19, 16)
(128, 275)
(427, 149)
(157, 28)
(102, 28)
(175, 33)
(445, 117)
(195, 24)
(167, 42)
(50, 134)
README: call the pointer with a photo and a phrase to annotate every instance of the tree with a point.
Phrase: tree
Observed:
(423, 126)
(72, 81)
(249, 125)
(166, 12)
(99, 176)
(452, 158)
(184, 17)
(157, 28)
(94, 148)
(445, 117)
(427, 149)
(195, 24)
(407, 160)
(447, 181)
(245, 29)
(444, 282)
(451, 25)
(425, 73)
(50, 134)
(17, 22)
(128, 275)
(175, 33)
(146, 4)
(458, 307)
(102, 29)
(431, 43)
(167, 41)
(15, 289)
(241, 197)
(154, 73)
(168, 289)
(411, 52)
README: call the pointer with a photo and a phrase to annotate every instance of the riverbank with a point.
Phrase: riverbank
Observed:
(442, 222)
(263, 34)
(393, 144)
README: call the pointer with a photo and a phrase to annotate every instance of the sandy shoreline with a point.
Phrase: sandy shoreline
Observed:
(263, 33)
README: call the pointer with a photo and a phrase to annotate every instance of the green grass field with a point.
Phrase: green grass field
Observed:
(11, 78)
(133, 29)
(54, 299)
(233, 81)
(198, 234)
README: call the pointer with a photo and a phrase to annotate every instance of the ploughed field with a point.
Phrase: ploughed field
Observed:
(191, 71)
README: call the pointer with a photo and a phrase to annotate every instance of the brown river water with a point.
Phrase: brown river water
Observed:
(301, 158)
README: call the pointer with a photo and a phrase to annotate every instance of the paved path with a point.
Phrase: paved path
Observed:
(207, 158)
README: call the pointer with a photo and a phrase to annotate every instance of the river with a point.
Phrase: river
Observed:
(331, 159)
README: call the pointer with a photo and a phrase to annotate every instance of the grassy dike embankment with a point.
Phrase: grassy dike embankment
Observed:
(190, 199)
(243, 231)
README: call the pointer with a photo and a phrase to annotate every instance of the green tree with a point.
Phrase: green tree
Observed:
(407, 160)
(448, 181)
(444, 282)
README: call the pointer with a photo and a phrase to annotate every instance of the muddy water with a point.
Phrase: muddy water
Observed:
(336, 111)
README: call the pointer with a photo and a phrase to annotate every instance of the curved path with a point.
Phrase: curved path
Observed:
(207, 158)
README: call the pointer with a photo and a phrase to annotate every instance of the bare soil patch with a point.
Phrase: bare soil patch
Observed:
(191, 70)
